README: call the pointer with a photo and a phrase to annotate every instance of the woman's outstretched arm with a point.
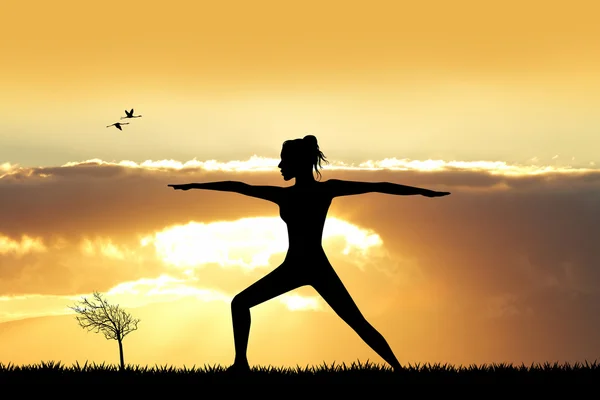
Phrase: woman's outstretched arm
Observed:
(271, 193)
(347, 188)
(223, 186)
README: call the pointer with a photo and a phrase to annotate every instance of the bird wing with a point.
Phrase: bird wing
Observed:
(119, 126)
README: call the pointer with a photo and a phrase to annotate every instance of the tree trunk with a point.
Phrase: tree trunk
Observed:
(121, 354)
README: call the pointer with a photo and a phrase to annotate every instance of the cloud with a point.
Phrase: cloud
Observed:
(134, 294)
(104, 247)
(20, 247)
(508, 256)
(255, 163)
(247, 242)
(264, 164)
(296, 302)
(106, 197)
(166, 288)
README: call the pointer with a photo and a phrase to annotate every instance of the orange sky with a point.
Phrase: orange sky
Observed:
(464, 80)
(495, 103)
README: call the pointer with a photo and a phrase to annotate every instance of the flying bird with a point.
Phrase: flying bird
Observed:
(129, 114)
(118, 125)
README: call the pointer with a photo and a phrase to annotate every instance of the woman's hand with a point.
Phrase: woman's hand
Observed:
(432, 193)
(181, 187)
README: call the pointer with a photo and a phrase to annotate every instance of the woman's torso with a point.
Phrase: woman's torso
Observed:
(304, 210)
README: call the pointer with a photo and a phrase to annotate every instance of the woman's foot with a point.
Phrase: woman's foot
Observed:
(238, 368)
(396, 367)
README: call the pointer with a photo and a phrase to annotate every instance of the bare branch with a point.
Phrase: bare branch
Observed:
(98, 316)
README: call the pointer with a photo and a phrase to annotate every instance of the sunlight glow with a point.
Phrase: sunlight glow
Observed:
(162, 289)
(493, 167)
(132, 294)
(26, 245)
(257, 163)
(296, 302)
(247, 242)
(8, 169)
(166, 288)
(254, 163)
(356, 238)
(102, 246)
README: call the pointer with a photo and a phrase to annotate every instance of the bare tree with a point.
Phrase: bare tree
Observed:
(99, 316)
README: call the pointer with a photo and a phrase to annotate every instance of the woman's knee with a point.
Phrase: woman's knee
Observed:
(238, 303)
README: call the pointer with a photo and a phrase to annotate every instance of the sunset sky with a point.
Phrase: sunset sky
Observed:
(496, 102)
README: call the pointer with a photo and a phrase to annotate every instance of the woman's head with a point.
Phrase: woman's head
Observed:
(299, 156)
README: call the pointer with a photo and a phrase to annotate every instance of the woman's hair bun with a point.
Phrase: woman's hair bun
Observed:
(312, 140)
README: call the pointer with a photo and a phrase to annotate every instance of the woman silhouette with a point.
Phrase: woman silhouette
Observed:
(303, 207)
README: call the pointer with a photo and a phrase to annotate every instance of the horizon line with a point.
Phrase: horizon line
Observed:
(257, 163)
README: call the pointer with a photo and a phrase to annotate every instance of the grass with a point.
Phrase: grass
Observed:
(356, 373)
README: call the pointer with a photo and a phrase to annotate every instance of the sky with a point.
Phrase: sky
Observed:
(495, 102)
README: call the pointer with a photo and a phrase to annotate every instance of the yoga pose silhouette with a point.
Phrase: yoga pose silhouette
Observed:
(303, 207)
